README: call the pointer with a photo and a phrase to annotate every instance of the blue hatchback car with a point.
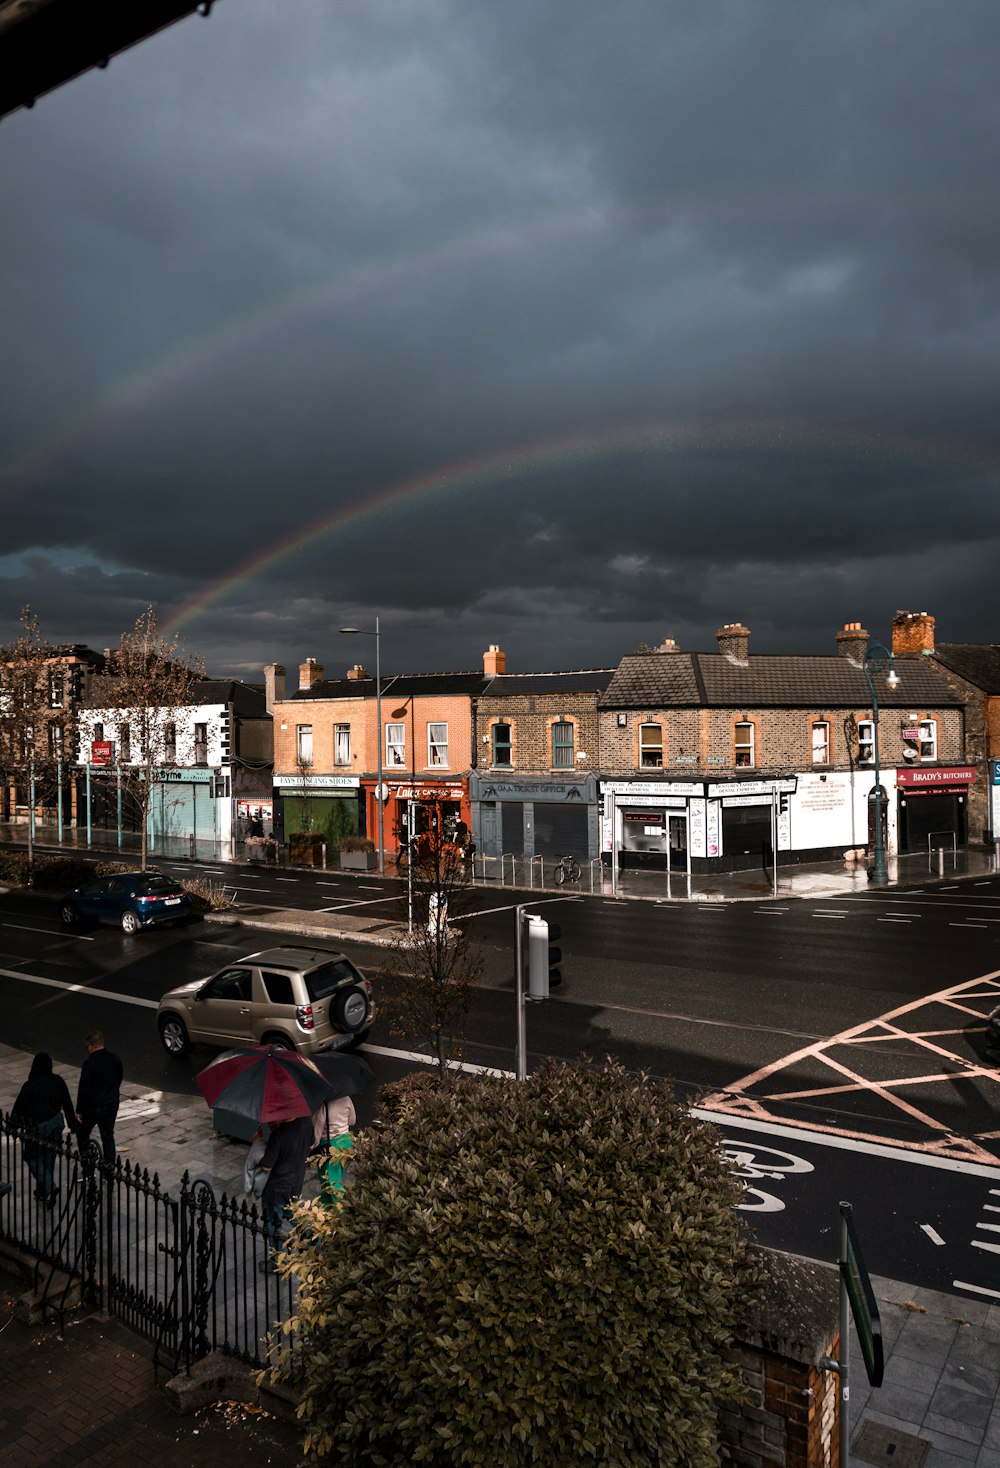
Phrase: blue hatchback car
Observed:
(132, 900)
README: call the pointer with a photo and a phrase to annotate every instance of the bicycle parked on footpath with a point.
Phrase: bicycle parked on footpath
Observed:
(566, 869)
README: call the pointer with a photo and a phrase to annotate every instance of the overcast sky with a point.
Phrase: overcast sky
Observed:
(562, 326)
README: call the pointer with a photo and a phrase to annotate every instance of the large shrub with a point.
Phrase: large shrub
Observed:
(546, 1272)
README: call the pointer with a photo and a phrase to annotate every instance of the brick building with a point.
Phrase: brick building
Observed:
(713, 760)
(535, 756)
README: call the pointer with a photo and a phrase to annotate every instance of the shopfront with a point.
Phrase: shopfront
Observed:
(694, 826)
(413, 808)
(933, 806)
(326, 804)
(528, 818)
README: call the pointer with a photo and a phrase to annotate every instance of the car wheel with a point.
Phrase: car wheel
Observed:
(349, 1010)
(69, 914)
(174, 1035)
(129, 921)
(280, 1042)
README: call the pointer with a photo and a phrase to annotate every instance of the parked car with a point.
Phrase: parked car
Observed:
(300, 998)
(133, 900)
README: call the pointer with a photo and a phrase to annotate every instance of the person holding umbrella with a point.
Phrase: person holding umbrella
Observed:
(284, 1165)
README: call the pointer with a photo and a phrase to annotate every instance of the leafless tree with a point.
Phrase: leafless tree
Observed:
(149, 687)
(435, 966)
(35, 718)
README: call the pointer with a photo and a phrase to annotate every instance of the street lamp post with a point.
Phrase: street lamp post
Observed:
(876, 659)
(380, 792)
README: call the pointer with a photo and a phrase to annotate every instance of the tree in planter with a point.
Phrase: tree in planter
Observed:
(559, 1273)
(151, 686)
(35, 726)
(435, 965)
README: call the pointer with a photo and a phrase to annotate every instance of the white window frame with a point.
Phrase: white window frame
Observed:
(304, 744)
(928, 740)
(508, 748)
(746, 746)
(654, 750)
(437, 745)
(821, 747)
(395, 746)
(342, 744)
(866, 741)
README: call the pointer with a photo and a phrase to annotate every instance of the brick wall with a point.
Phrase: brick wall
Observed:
(531, 719)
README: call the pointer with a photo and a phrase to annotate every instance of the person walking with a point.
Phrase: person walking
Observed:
(98, 1095)
(332, 1142)
(284, 1167)
(42, 1103)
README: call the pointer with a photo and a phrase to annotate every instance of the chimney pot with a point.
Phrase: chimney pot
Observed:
(734, 642)
(494, 661)
(310, 672)
(852, 643)
(913, 632)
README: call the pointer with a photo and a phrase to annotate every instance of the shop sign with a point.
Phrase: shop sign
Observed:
(102, 752)
(731, 800)
(317, 782)
(426, 792)
(200, 776)
(650, 787)
(958, 775)
(753, 787)
(995, 771)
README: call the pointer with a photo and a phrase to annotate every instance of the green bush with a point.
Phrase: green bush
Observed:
(545, 1272)
(355, 843)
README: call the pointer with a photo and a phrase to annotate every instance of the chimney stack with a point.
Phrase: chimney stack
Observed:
(494, 661)
(357, 673)
(913, 632)
(734, 642)
(852, 643)
(274, 685)
(668, 645)
(310, 672)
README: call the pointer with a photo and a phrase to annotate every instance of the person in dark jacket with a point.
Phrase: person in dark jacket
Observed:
(98, 1095)
(42, 1103)
(284, 1165)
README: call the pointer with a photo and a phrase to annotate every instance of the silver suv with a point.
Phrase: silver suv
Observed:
(300, 998)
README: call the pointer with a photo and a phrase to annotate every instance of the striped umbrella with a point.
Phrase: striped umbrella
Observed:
(264, 1084)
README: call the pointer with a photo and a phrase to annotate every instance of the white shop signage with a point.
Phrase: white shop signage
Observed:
(317, 782)
(650, 787)
(752, 787)
(747, 800)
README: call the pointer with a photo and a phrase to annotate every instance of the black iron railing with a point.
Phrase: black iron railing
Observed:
(182, 1271)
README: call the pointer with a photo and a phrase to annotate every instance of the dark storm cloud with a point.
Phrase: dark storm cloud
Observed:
(672, 313)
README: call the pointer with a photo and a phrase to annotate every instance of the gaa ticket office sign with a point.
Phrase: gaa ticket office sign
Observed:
(858, 1285)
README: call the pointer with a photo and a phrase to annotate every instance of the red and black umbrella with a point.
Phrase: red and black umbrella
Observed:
(264, 1084)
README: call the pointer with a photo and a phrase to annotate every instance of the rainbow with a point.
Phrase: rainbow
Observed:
(474, 475)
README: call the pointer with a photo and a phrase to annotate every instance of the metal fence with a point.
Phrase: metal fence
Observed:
(184, 1272)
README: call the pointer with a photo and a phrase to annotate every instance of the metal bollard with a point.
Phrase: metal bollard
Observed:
(940, 861)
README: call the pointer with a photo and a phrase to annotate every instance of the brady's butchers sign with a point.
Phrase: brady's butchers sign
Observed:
(956, 775)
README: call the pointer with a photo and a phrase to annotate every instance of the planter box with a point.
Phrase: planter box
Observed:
(359, 861)
(306, 849)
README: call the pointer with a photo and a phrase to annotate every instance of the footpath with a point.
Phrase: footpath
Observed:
(86, 1393)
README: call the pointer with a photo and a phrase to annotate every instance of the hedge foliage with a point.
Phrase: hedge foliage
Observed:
(545, 1272)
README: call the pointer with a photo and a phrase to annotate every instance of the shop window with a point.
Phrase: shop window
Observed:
(562, 745)
(743, 746)
(651, 746)
(866, 742)
(342, 744)
(437, 744)
(303, 743)
(395, 746)
(501, 736)
(928, 739)
(170, 744)
(820, 742)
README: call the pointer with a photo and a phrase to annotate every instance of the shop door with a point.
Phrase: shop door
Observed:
(561, 830)
(489, 835)
(933, 820)
(677, 838)
(746, 834)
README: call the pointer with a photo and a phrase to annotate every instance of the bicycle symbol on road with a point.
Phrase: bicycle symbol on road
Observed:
(751, 1163)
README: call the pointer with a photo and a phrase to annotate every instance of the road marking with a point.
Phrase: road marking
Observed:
(990, 1248)
(932, 1234)
(967, 925)
(766, 911)
(893, 920)
(9, 973)
(286, 879)
(423, 1059)
(841, 915)
(960, 1284)
(23, 928)
(910, 913)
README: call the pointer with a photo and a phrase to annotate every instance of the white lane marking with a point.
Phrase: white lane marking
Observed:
(990, 1248)
(960, 1284)
(368, 902)
(910, 912)
(9, 973)
(989, 1228)
(932, 1234)
(841, 915)
(24, 928)
(421, 1059)
(893, 920)
(766, 911)
(966, 925)
(286, 879)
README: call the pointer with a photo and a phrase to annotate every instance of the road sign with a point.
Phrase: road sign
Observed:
(862, 1297)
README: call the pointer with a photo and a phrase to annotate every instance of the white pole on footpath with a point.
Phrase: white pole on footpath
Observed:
(521, 1065)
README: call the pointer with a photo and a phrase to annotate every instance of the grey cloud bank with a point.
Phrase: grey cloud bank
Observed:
(564, 327)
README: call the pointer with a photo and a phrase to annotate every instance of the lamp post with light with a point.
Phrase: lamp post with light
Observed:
(380, 791)
(876, 659)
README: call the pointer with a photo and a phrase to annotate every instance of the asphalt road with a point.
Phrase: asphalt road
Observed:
(857, 1022)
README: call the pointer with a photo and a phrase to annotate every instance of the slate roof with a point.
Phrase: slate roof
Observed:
(976, 662)
(581, 680)
(712, 680)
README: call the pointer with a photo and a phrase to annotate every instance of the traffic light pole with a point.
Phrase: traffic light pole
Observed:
(521, 1064)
